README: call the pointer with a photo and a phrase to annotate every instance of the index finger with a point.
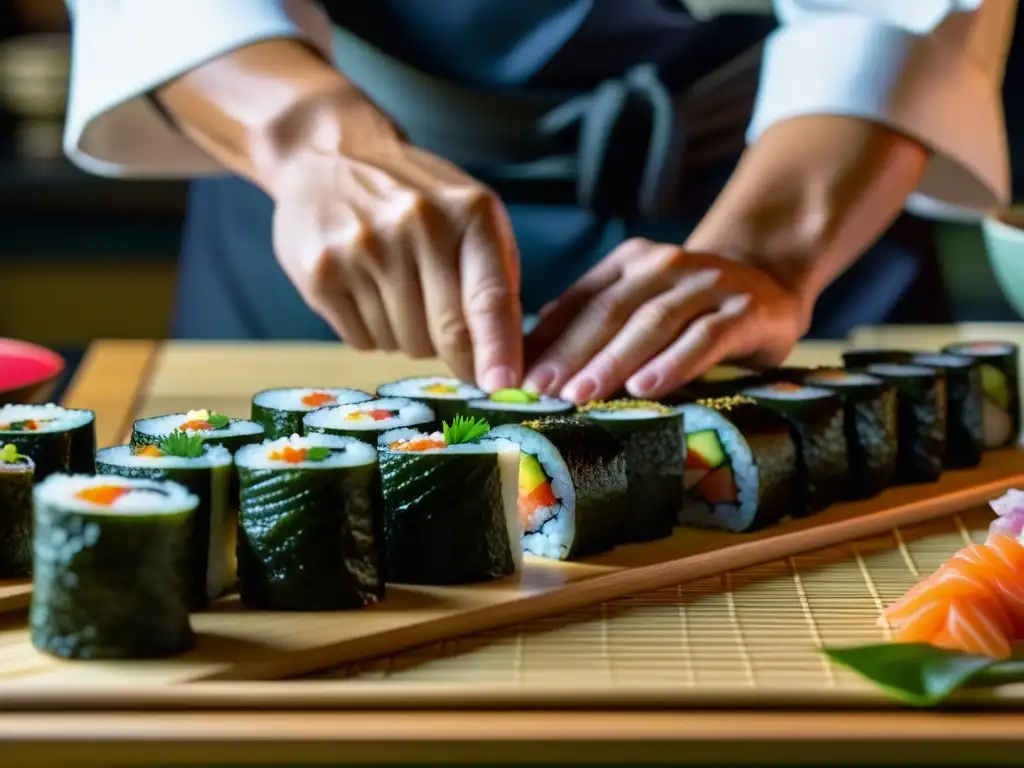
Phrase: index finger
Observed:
(489, 265)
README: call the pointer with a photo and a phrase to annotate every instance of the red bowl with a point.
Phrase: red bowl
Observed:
(28, 372)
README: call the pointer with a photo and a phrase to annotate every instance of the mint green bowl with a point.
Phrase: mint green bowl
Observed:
(1004, 241)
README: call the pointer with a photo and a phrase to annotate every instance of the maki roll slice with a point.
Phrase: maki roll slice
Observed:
(741, 465)
(450, 512)
(653, 438)
(818, 420)
(862, 358)
(514, 406)
(206, 471)
(871, 426)
(921, 415)
(710, 389)
(368, 420)
(446, 396)
(280, 411)
(108, 567)
(965, 430)
(573, 490)
(1000, 386)
(17, 473)
(309, 524)
(57, 439)
(215, 429)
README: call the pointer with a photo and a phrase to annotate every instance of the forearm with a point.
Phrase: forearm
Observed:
(810, 197)
(254, 106)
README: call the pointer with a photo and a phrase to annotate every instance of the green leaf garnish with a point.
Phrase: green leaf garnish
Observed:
(464, 430)
(317, 453)
(218, 420)
(9, 454)
(514, 396)
(916, 673)
(183, 445)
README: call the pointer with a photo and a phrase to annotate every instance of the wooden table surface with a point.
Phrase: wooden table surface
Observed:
(110, 381)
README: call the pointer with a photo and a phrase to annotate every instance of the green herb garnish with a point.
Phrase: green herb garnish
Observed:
(183, 445)
(464, 429)
(9, 454)
(218, 420)
(923, 675)
(514, 396)
(317, 453)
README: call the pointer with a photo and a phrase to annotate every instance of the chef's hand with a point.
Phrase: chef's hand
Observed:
(652, 317)
(399, 250)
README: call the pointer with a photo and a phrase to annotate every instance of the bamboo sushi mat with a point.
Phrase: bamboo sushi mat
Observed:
(752, 634)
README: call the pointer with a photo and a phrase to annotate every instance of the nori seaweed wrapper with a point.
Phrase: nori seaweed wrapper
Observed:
(444, 518)
(819, 433)
(16, 480)
(596, 461)
(655, 457)
(772, 455)
(998, 365)
(50, 451)
(965, 432)
(921, 408)
(871, 423)
(281, 422)
(82, 450)
(308, 538)
(862, 358)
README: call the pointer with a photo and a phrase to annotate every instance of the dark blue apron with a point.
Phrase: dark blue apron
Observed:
(230, 285)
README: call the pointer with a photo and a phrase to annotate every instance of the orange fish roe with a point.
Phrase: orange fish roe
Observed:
(196, 426)
(377, 414)
(151, 451)
(786, 386)
(318, 399)
(28, 425)
(104, 495)
(290, 455)
(419, 444)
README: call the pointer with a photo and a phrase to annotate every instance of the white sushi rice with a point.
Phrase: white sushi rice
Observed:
(214, 456)
(408, 413)
(729, 517)
(844, 379)
(545, 405)
(161, 426)
(900, 370)
(625, 414)
(982, 349)
(147, 497)
(291, 399)
(788, 393)
(550, 531)
(346, 452)
(508, 472)
(51, 417)
(416, 388)
(943, 361)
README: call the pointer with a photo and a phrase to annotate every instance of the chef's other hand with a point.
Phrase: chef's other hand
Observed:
(395, 248)
(652, 317)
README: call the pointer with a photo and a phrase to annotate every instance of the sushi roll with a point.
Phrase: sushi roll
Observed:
(1000, 385)
(309, 524)
(862, 358)
(573, 490)
(369, 420)
(709, 389)
(789, 374)
(514, 406)
(818, 422)
(652, 435)
(965, 430)
(206, 471)
(57, 439)
(450, 512)
(446, 396)
(741, 465)
(215, 429)
(921, 409)
(108, 567)
(871, 426)
(17, 473)
(280, 411)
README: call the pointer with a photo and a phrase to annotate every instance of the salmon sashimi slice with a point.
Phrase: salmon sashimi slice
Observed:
(971, 628)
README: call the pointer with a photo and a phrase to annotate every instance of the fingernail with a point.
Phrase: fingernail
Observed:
(580, 390)
(539, 380)
(499, 377)
(643, 383)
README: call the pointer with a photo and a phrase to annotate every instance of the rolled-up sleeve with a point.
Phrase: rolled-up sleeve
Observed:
(930, 69)
(123, 49)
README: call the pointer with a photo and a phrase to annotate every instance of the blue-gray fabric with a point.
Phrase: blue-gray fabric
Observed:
(232, 287)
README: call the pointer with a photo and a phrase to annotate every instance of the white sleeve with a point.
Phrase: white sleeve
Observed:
(930, 69)
(124, 49)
